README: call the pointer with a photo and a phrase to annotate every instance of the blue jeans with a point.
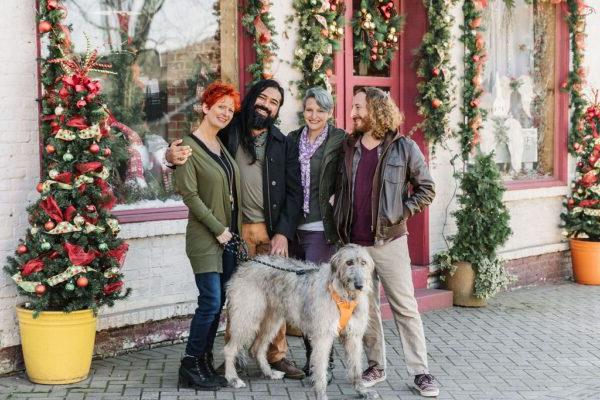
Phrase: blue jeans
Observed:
(211, 298)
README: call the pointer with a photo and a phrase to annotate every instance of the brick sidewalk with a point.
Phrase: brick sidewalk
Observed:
(540, 343)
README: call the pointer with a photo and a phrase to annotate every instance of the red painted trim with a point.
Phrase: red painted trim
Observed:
(151, 214)
(418, 226)
(561, 111)
(246, 53)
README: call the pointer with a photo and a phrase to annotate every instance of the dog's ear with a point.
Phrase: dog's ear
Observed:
(336, 259)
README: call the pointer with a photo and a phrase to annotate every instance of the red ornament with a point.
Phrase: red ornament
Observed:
(50, 149)
(570, 203)
(82, 282)
(21, 249)
(475, 103)
(107, 152)
(333, 7)
(81, 103)
(475, 23)
(436, 103)
(44, 26)
(40, 289)
(264, 38)
(475, 58)
(436, 72)
(94, 148)
(52, 4)
(49, 225)
(39, 187)
(373, 57)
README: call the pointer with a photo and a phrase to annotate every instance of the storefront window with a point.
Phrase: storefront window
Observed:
(163, 52)
(520, 80)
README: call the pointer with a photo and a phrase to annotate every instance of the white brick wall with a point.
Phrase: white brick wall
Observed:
(156, 267)
(19, 160)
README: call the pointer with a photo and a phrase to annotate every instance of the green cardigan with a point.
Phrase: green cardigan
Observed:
(202, 183)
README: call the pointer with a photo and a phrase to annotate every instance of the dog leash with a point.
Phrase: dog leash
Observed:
(238, 247)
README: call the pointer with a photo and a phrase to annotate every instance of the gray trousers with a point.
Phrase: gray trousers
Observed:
(393, 269)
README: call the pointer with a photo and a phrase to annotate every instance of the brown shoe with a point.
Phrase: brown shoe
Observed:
(288, 367)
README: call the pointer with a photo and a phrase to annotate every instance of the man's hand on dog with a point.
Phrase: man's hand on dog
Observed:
(279, 245)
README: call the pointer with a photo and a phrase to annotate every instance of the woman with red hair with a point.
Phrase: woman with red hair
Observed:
(208, 183)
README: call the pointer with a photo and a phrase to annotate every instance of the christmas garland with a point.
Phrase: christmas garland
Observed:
(71, 257)
(435, 88)
(259, 23)
(320, 29)
(576, 79)
(474, 60)
(376, 27)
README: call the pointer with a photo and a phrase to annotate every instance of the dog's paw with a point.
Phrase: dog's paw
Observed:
(237, 383)
(276, 375)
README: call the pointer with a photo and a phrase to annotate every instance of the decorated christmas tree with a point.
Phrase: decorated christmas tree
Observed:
(71, 258)
(582, 218)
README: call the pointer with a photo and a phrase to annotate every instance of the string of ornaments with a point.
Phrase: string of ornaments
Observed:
(71, 258)
(320, 31)
(259, 23)
(377, 27)
(474, 61)
(435, 100)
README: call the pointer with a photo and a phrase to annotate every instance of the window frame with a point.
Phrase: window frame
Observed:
(561, 112)
(233, 71)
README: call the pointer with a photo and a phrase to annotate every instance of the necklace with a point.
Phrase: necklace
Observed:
(228, 168)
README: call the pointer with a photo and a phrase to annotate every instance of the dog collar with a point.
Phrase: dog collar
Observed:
(345, 307)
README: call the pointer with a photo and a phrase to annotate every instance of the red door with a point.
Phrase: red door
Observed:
(400, 80)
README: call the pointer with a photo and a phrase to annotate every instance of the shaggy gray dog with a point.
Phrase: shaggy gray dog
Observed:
(261, 298)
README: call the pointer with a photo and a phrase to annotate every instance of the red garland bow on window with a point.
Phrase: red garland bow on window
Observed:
(32, 266)
(78, 256)
(119, 253)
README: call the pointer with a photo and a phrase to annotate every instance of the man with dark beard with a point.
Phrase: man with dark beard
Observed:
(270, 185)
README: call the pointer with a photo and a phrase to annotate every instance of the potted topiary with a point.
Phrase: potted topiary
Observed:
(69, 263)
(470, 267)
(581, 221)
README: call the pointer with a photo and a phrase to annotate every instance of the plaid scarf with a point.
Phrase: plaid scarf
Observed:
(307, 150)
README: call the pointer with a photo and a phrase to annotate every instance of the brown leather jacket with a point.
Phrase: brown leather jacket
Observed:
(400, 162)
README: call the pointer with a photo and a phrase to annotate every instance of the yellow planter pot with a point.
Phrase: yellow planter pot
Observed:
(57, 347)
(585, 257)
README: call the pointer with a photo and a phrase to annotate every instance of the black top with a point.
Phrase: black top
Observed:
(225, 163)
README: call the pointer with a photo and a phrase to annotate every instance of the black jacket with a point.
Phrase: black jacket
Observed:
(282, 190)
(329, 174)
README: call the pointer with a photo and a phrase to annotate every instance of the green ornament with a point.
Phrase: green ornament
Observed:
(68, 157)
(46, 246)
(103, 246)
(70, 287)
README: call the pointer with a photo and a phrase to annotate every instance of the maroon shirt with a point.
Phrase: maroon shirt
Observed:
(362, 231)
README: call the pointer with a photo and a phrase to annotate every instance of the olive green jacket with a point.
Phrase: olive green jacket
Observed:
(203, 185)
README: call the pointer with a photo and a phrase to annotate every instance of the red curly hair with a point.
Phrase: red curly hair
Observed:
(216, 91)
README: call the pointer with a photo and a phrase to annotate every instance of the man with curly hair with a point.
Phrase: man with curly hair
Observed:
(372, 205)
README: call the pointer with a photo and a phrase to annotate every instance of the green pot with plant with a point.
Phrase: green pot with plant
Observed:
(470, 267)
(581, 220)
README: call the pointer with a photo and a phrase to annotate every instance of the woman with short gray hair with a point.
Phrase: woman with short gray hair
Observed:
(319, 144)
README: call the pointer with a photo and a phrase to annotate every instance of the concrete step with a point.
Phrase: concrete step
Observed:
(427, 300)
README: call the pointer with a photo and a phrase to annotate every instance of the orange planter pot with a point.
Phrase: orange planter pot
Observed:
(585, 257)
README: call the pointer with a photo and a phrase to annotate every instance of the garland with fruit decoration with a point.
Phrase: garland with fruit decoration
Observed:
(576, 79)
(435, 71)
(259, 24)
(474, 62)
(71, 258)
(376, 27)
(582, 218)
(320, 30)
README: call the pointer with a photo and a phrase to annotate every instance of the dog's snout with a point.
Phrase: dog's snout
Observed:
(358, 286)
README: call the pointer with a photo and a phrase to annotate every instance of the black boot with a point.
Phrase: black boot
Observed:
(207, 359)
(193, 374)
(306, 367)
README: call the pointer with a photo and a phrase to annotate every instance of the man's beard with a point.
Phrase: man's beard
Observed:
(365, 127)
(260, 121)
